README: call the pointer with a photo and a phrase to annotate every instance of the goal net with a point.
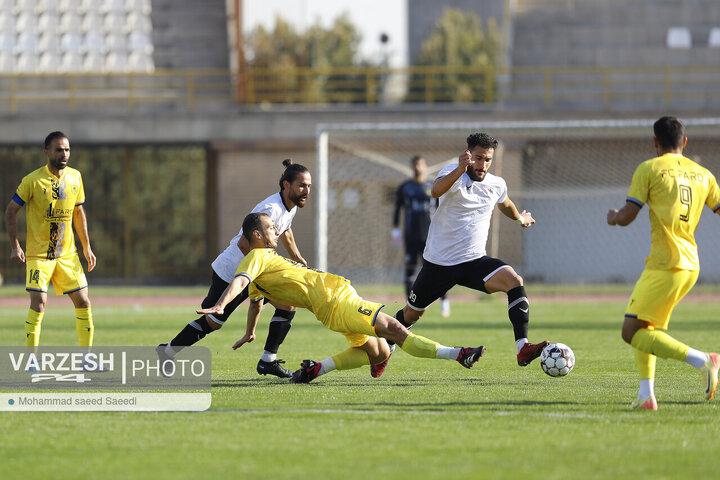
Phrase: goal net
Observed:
(567, 173)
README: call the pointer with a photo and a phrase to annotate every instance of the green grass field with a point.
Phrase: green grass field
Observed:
(424, 419)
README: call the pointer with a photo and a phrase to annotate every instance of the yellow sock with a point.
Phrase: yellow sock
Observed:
(418, 346)
(84, 326)
(32, 328)
(645, 364)
(350, 358)
(659, 343)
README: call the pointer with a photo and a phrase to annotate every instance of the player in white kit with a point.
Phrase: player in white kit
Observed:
(294, 191)
(455, 248)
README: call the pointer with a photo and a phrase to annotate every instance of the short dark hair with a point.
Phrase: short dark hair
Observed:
(251, 223)
(669, 132)
(292, 170)
(52, 136)
(481, 139)
(415, 159)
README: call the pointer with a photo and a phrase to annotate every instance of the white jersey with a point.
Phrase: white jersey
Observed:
(459, 227)
(226, 264)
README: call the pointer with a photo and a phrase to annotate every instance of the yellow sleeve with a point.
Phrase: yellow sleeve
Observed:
(713, 198)
(640, 185)
(254, 294)
(24, 191)
(80, 199)
(252, 265)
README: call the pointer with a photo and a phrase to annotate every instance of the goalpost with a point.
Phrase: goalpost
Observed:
(567, 173)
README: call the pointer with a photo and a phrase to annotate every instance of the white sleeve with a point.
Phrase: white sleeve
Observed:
(445, 171)
(503, 191)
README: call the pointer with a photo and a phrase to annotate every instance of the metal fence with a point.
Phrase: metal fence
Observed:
(532, 87)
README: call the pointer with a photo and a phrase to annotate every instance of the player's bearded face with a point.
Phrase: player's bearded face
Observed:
(483, 159)
(59, 153)
(299, 189)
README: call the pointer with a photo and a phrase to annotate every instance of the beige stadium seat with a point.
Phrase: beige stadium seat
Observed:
(72, 62)
(94, 6)
(116, 43)
(138, 62)
(7, 63)
(48, 6)
(140, 43)
(7, 6)
(72, 42)
(49, 63)
(27, 63)
(139, 6)
(7, 42)
(7, 22)
(94, 62)
(714, 37)
(50, 43)
(48, 23)
(113, 5)
(92, 22)
(71, 6)
(95, 43)
(115, 23)
(26, 22)
(26, 6)
(70, 22)
(678, 37)
(116, 62)
(138, 22)
(27, 43)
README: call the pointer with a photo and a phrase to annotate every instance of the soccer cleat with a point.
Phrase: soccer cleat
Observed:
(167, 364)
(445, 308)
(308, 372)
(273, 368)
(378, 369)
(469, 356)
(530, 351)
(709, 372)
(648, 403)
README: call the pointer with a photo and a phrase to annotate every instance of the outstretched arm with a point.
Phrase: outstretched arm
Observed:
(288, 240)
(253, 316)
(508, 208)
(624, 216)
(233, 290)
(16, 252)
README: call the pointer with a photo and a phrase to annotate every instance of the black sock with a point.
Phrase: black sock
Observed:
(278, 330)
(519, 311)
(191, 334)
(400, 317)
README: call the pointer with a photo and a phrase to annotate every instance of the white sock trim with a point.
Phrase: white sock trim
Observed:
(327, 365)
(447, 353)
(696, 358)
(520, 343)
(268, 356)
(647, 388)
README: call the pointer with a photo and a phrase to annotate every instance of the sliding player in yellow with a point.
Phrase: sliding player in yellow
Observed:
(675, 189)
(54, 197)
(331, 299)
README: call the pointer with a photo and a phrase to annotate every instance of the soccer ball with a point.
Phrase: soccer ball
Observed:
(557, 360)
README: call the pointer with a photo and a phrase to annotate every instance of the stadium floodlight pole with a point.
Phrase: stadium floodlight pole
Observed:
(321, 199)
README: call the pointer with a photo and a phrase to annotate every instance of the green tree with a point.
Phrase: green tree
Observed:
(459, 43)
(289, 65)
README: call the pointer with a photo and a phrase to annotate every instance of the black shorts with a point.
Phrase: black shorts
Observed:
(434, 281)
(413, 249)
(217, 287)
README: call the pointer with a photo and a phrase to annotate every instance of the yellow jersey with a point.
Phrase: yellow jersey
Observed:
(290, 283)
(50, 204)
(675, 189)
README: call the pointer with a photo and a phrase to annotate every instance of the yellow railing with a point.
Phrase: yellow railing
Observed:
(549, 87)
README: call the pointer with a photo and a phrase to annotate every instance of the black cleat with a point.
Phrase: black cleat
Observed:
(469, 356)
(167, 364)
(308, 372)
(273, 368)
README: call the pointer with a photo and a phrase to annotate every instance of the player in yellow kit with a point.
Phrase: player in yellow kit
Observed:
(54, 196)
(331, 299)
(675, 189)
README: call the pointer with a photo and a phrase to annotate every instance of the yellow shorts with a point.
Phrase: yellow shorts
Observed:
(66, 273)
(352, 316)
(657, 292)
